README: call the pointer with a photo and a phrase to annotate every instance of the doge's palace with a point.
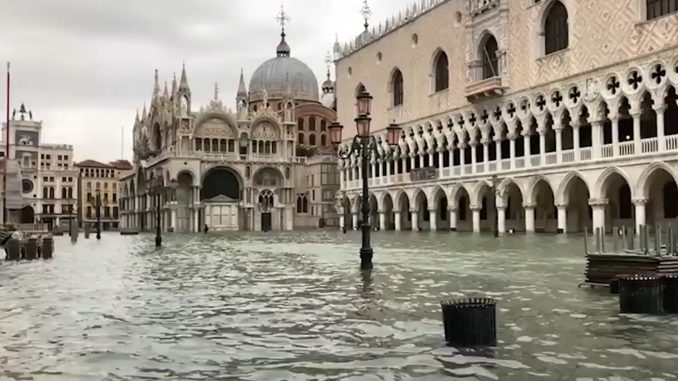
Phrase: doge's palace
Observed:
(548, 115)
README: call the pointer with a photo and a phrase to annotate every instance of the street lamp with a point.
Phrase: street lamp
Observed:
(156, 188)
(365, 146)
(97, 209)
(495, 227)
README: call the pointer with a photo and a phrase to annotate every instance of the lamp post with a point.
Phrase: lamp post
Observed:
(495, 226)
(97, 210)
(365, 146)
(155, 186)
(70, 218)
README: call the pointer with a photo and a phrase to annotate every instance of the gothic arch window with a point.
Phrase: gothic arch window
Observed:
(311, 123)
(442, 72)
(311, 140)
(397, 87)
(659, 8)
(556, 29)
(64, 193)
(323, 140)
(45, 192)
(300, 124)
(51, 193)
(490, 57)
(70, 193)
(300, 139)
(302, 203)
(323, 125)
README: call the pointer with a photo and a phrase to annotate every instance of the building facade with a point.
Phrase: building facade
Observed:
(49, 178)
(233, 169)
(552, 115)
(96, 178)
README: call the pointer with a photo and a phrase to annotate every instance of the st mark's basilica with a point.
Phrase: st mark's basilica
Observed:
(268, 165)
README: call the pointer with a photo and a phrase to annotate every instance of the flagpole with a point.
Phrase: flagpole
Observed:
(7, 155)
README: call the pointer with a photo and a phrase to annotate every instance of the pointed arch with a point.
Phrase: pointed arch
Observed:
(562, 194)
(555, 27)
(488, 51)
(441, 71)
(642, 188)
(396, 87)
(600, 189)
(533, 188)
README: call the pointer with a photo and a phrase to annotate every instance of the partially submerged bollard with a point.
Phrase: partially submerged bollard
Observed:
(670, 293)
(47, 248)
(470, 322)
(86, 226)
(31, 249)
(640, 294)
(13, 249)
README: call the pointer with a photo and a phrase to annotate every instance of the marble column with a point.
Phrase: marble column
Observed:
(614, 119)
(382, 221)
(512, 149)
(598, 208)
(660, 110)
(398, 222)
(640, 204)
(575, 139)
(476, 218)
(486, 154)
(453, 219)
(636, 130)
(596, 139)
(497, 148)
(542, 146)
(558, 128)
(501, 219)
(173, 219)
(529, 218)
(433, 218)
(462, 158)
(355, 221)
(527, 149)
(473, 156)
(562, 218)
(415, 219)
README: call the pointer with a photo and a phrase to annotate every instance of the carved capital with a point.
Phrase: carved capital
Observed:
(640, 201)
(531, 205)
(601, 202)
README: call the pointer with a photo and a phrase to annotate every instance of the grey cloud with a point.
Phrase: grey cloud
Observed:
(85, 66)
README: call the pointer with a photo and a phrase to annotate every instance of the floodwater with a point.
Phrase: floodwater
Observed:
(295, 306)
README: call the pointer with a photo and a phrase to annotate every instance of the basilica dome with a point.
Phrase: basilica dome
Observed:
(284, 76)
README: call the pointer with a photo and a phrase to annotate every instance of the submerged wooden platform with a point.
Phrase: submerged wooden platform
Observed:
(603, 267)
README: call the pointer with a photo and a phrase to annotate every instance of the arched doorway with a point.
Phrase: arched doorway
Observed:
(420, 217)
(405, 215)
(374, 213)
(221, 193)
(514, 212)
(575, 198)
(462, 220)
(269, 217)
(185, 200)
(545, 212)
(27, 215)
(662, 194)
(388, 213)
(619, 210)
(442, 217)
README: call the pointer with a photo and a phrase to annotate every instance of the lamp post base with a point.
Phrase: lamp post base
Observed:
(158, 241)
(366, 254)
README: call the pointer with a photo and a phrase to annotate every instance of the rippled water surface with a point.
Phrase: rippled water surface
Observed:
(296, 307)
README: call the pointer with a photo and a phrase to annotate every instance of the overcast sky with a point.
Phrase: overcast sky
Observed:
(84, 66)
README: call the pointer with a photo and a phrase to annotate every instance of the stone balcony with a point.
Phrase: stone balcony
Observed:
(483, 89)
(611, 154)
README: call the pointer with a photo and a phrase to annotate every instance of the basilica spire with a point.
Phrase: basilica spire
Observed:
(165, 92)
(242, 88)
(283, 49)
(156, 85)
(174, 85)
(183, 84)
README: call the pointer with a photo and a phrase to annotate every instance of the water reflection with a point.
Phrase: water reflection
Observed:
(295, 306)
